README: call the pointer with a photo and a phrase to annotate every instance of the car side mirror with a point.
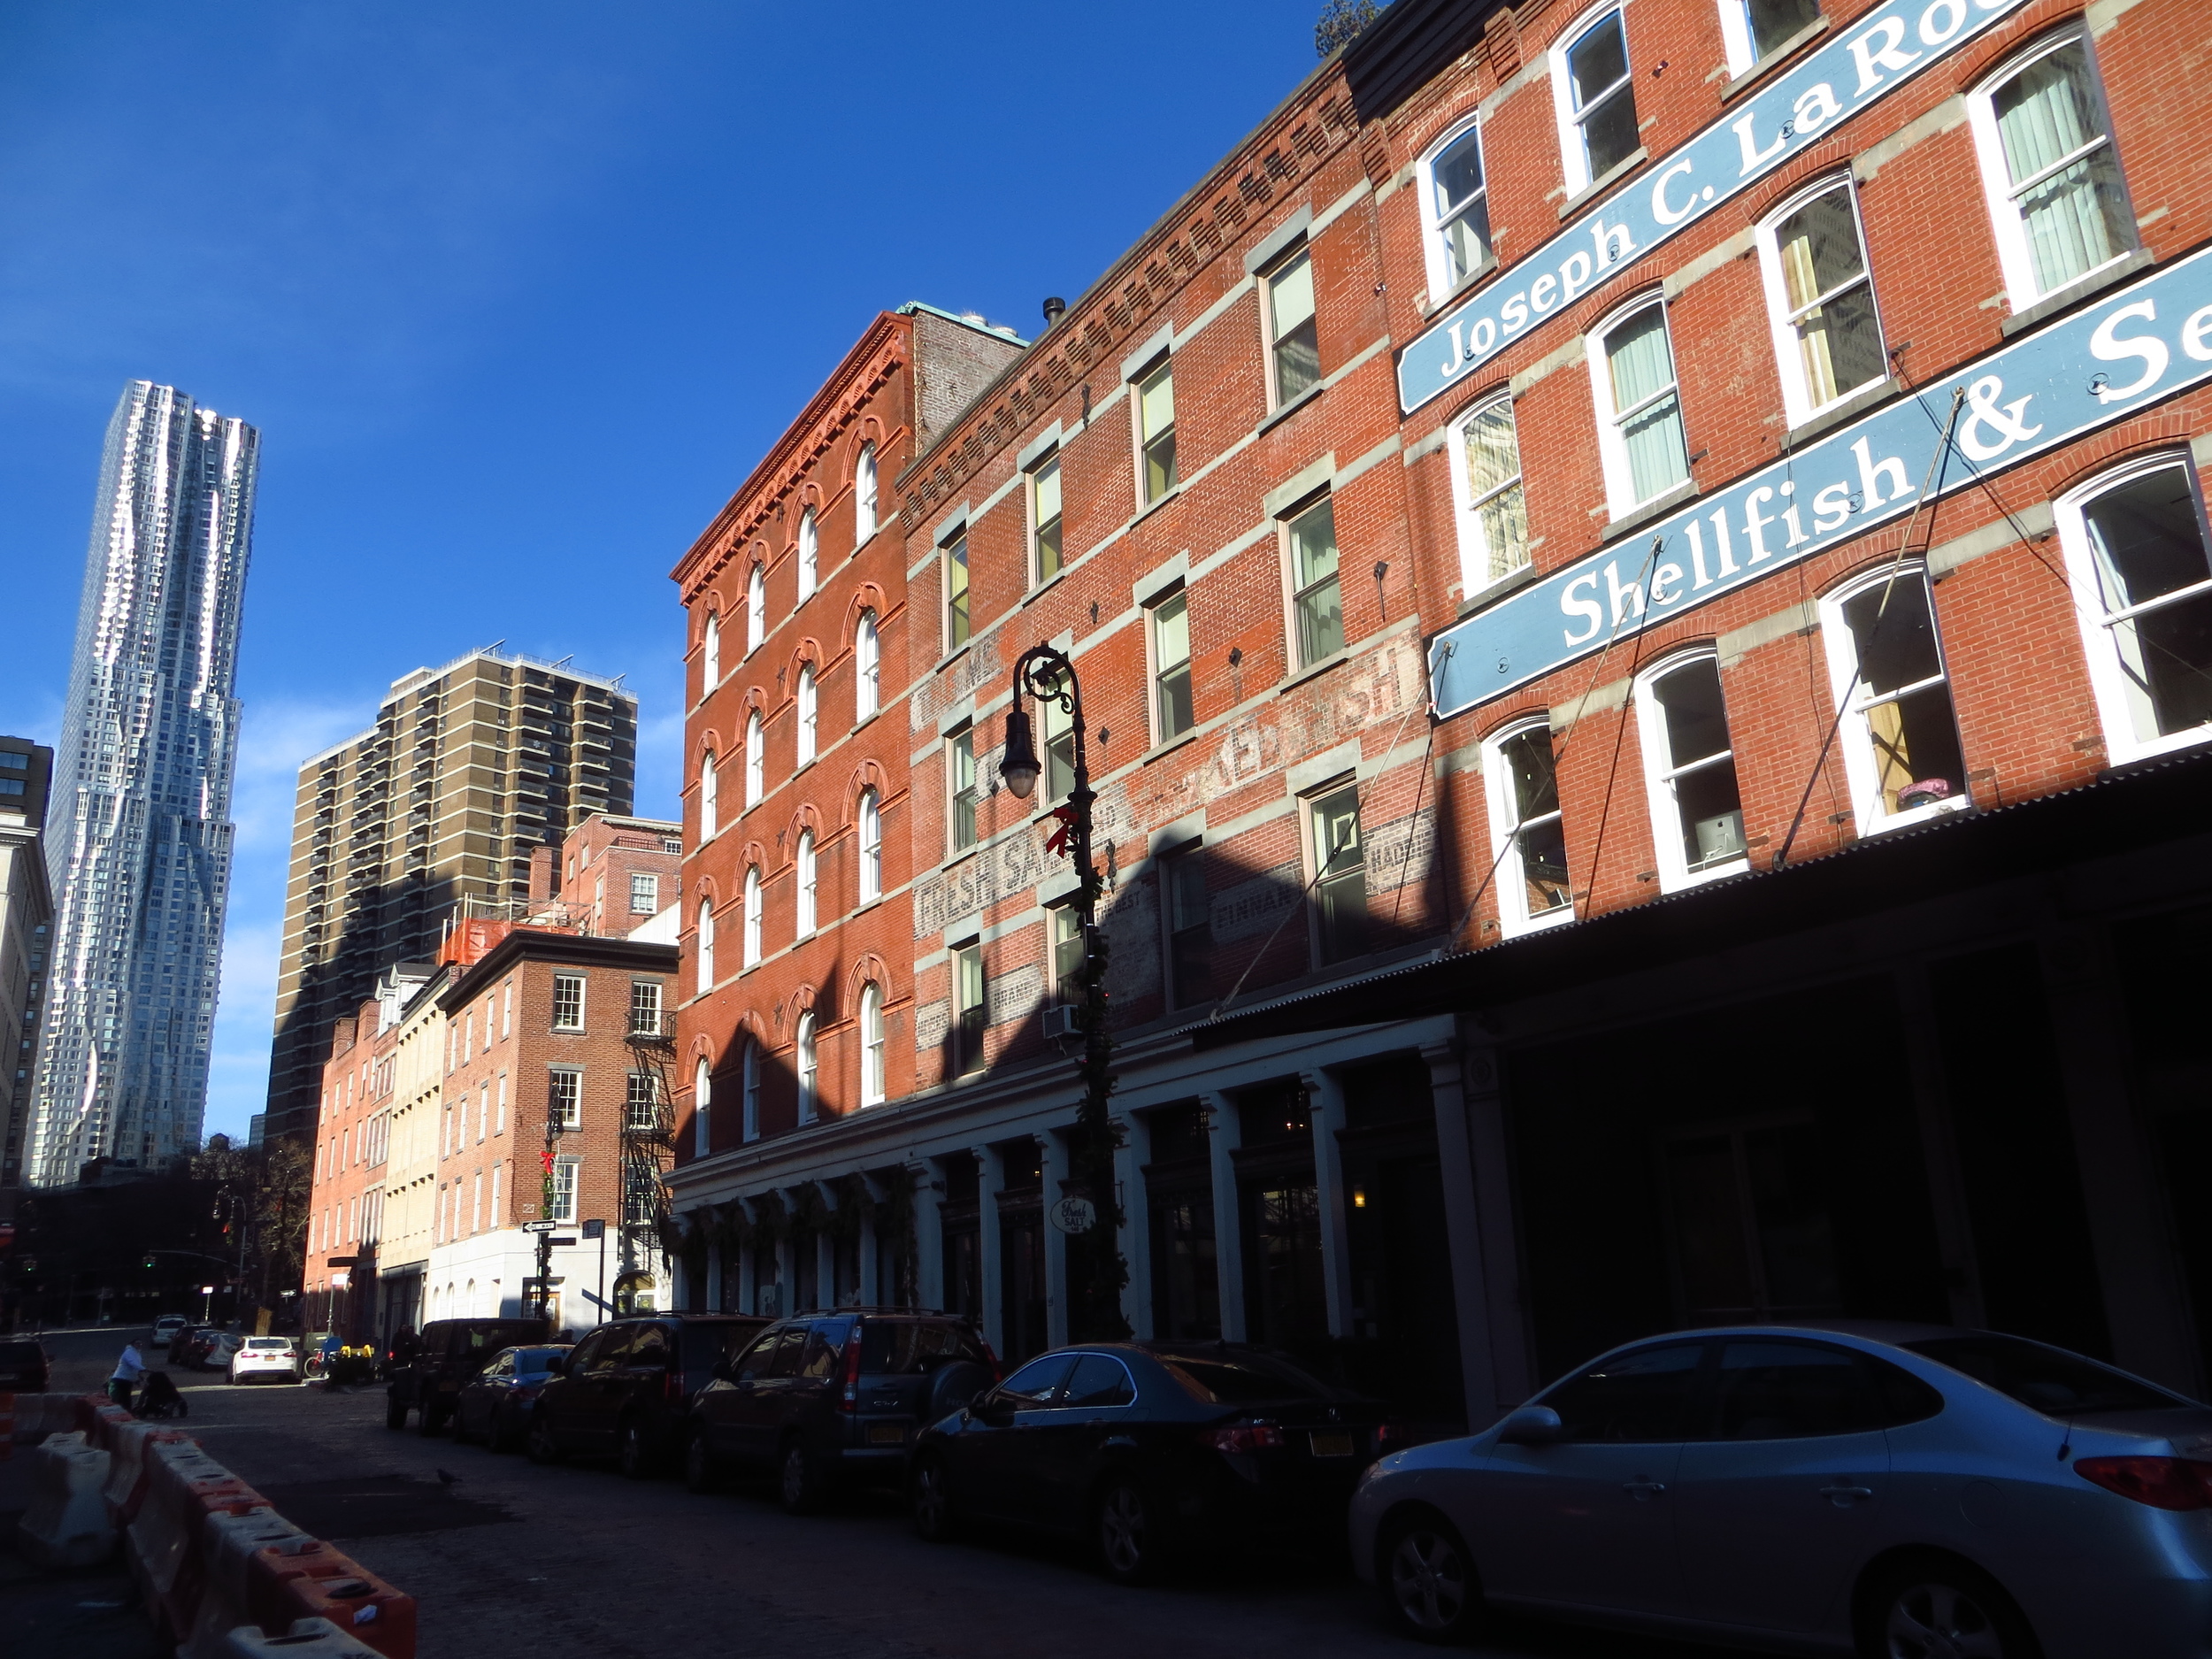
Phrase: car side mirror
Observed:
(1532, 1426)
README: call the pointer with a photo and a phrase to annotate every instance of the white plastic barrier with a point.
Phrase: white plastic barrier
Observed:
(66, 1524)
(307, 1639)
(227, 1548)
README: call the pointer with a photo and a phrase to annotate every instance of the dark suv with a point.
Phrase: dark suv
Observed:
(831, 1399)
(446, 1357)
(623, 1389)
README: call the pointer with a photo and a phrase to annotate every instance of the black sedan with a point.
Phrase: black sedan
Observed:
(1147, 1448)
(495, 1404)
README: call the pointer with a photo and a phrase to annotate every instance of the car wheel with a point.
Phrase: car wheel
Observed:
(540, 1443)
(634, 1451)
(1428, 1580)
(701, 1473)
(1128, 1551)
(798, 1483)
(1943, 1611)
(502, 1435)
(461, 1435)
(394, 1412)
(930, 1499)
(430, 1421)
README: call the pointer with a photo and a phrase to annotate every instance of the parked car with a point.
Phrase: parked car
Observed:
(1846, 1486)
(25, 1366)
(625, 1389)
(221, 1349)
(189, 1342)
(166, 1327)
(827, 1400)
(495, 1404)
(446, 1357)
(1149, 1449)
(271, 1358)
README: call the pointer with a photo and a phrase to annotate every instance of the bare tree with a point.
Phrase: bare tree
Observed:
(1341, 23)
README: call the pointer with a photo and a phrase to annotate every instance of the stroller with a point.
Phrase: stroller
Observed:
(159, 1399)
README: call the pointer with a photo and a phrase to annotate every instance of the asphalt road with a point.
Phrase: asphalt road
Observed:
(576, 1562)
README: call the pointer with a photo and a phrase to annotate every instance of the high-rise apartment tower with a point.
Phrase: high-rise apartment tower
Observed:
(428, 816)
(138, 837)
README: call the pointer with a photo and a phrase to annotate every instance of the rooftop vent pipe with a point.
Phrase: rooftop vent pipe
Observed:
(1056, 308)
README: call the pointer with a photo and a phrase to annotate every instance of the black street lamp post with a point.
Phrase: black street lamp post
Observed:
(1049, 676)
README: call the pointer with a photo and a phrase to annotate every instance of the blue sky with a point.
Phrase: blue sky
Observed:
(517, 294)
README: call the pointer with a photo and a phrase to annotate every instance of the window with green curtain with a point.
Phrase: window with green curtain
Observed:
(1647, 412)
(1318, 600)
(2065, 177)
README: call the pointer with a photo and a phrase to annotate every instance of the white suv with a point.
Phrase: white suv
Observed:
(264, 1357)
(167, 1326)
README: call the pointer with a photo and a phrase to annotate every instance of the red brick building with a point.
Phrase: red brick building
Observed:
(1740, 453)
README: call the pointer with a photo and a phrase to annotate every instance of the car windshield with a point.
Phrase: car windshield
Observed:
(2046, 1380)
(530, 1361)
(1246, 1380)
(482, 1340)
(267, 1344)
(902, 1347)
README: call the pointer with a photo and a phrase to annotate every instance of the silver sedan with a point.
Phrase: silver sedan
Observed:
(1912, 1492)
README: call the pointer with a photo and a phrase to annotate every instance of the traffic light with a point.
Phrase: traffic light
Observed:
(149, 1261)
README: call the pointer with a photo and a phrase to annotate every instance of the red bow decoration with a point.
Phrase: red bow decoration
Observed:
(1057, 841)
(548, 1161)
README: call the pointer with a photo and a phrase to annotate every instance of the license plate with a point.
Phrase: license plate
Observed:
(887, 1434)
(1331, 1445)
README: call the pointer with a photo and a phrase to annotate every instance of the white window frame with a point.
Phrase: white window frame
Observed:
(864, 496)
(1738, 43)
(869, 822)
(810, 556)
(807, 1062)
(702, 1108)
(755, 759)
(704, 970)
(709, 797)
(1514, 919)
(807, 868)
(756, 608)
(1660, 773)
(2015, 261)
(638, 999)
(867, 668)
(566, 1177)
(1474, 547)
(1853, 735)
(953, 792)
(710, 654)
(1574, 150)
(873, 1067)
(750, 1098)
(1272, 335)
(1620, 483)
(753, 918)
(1049, 460)
(956, 544)
(1797, 397)
(1442, 286)
(1163, 363)
(809, 699)
(572, 1115)
(1293, 637)
(1154, 667)
(583, 991)
(499, 1123)
(647, 886)
(2107, 678)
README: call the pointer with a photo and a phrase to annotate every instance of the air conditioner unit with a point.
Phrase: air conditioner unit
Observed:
(1060, 1021)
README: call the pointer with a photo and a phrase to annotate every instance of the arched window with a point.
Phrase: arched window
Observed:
(871, 847)
(702, 1099)
(709, 788)
(867, 667)
(870, 1045)
(756, 761)
(706, 946)
(810, 715)
(809, 555)
(1458, 209)
(806, 861)
(865, 495)
(756, 608)
(807, 1075)
(711, 653)
(752, 916)
(752, 1090)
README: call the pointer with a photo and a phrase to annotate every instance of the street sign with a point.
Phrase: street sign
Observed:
(1075, 1214)
(559, 1241)
(539, 1226)
(594, 1230)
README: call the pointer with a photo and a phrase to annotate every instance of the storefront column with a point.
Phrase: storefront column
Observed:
(1479, 1226)
(928, 1242)
(1939, 1149)
(748, 1264)
(1053, 1156)
(713, 1287)
(1130, 1158)
(990, 1176)
(871, 1292)
(787, 1260)
(826, 1250)
(1226, 1133)
(1325, 1110)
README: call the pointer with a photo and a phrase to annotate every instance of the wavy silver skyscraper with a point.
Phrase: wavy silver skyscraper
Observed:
(138, 834)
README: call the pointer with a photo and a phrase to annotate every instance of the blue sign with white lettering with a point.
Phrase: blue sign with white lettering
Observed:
(2143, 344)
(1878, 54)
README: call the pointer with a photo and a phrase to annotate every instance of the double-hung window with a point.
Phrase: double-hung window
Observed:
(1317, 597)
(2136, 552)
(1820, 300)
(749, 1107)
(702, 1108)
(1068, 952)
(1752, 31)
(808, 876)
(971, 1014)
(755, 760)
(957, 620)
(1595, 92)
(710, 654)
(709, 793)
(564, 1190)
(1293, 338)
(1527, 837)
(1899, 732)
(1156, 432)
(1171, 709)
(568, 1001)
(1641, 440)
(645, 894)
(640, 1107)
(1190, 933)
(565, 1096)
(870, 837)
(865, 495)
(756, 608)
(706, 948)
(809, 716)
(1458, 200)
(872, 1073)
(809, 555)
(960, 786)
(2056, 199)
(1340, 872)
(1492, 508)
(809, 1077)
(645, 1007)
(1690, 771)
(1044, 516)
(867, 667)
(753, 918)
(1056, 726)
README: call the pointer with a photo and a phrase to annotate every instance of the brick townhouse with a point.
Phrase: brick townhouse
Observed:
(1639, 581)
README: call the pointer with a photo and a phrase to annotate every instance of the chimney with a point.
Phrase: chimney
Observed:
(1056, 308)
(541, 869)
